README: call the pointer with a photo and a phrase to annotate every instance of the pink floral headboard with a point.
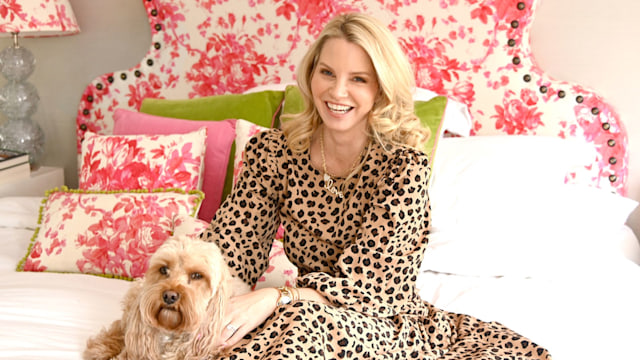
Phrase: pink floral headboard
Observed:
(477, 52)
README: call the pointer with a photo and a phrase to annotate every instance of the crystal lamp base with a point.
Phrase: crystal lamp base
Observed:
(18, 102)
(23, 135)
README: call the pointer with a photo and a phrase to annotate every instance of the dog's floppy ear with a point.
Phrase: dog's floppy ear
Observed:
(107, 344)
(206, 341)
(139, 338)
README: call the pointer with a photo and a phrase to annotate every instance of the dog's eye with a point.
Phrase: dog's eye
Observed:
(164, 270)
(196, 276)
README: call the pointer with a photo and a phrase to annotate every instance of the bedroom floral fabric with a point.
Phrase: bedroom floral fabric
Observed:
(16, 16)
(476, 52)
(244, 131)
(133, 162)
(111, 234)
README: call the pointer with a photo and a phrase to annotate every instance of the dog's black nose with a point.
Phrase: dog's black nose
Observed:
(170, 297)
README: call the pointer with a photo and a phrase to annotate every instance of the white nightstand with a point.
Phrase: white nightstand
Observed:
(41, 180)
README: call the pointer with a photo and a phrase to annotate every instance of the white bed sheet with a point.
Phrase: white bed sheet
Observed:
(46, 315)
(591, 317)
(594, 316)
(49, 316)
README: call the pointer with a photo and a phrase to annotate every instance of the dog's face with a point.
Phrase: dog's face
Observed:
(185, 282)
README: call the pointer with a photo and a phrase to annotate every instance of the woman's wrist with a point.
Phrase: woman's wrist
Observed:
(287, 295)
(297, 293)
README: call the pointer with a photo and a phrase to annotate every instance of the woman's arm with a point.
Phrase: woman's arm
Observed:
(246, 223)
(248, 311)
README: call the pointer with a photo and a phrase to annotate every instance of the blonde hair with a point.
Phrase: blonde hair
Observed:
(391, 120)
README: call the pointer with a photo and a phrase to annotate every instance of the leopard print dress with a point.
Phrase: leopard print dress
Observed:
(362, 252)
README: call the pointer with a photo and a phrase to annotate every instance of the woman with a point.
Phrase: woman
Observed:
(348, 181)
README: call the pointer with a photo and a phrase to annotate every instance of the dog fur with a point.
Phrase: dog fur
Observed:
(176, 311)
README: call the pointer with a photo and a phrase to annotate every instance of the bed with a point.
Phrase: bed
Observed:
(529, 173)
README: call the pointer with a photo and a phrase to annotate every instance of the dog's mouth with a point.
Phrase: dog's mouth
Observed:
(169, 318)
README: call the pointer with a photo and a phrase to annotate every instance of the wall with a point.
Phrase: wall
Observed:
(595, 43)
(114, 35)
(588, 41)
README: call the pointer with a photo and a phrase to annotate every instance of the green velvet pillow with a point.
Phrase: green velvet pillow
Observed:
(431, 114)
(259, 107)
(293, 103)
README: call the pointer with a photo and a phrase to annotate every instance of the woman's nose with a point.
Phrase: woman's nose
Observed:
(340, 88)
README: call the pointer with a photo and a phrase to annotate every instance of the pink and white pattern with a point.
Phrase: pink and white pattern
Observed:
(477, 52)
(245, 130)
(44, 17)
(132, 162)
(280, 272)
(109, 234)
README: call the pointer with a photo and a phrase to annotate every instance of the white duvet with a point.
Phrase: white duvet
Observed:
(591, 317)
(595, 315)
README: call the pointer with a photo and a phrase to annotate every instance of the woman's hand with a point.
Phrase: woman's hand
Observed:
(245, 312)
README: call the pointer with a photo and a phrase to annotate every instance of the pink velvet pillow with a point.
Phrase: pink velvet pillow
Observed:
(220, 136)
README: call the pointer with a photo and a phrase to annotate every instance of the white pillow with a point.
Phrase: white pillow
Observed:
(501, 206)
(457, 119)
(549, 232)
(498, 166)
(20, 211)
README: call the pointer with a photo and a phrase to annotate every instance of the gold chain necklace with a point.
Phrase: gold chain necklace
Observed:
(328, 178)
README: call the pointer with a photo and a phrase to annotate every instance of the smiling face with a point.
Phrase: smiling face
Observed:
(344, 86)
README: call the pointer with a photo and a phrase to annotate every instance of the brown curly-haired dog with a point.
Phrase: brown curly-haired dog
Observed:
(175, 312)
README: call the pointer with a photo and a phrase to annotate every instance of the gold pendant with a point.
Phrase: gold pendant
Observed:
(329, 185)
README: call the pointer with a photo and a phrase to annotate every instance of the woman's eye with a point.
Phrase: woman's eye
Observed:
(326, 72)
(196, 276)
(164, 270)
(359, 79)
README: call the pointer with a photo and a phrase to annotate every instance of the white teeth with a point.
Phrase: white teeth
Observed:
(338, 108)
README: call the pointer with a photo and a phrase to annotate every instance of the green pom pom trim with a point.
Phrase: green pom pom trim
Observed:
(64, 189)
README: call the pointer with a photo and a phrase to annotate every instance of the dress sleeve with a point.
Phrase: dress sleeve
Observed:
(246, 223)
(377, 272)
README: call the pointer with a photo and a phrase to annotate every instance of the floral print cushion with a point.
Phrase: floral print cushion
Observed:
(245, 130)
(281, 272)
(110, 234)
(220, 136)
(132, 162)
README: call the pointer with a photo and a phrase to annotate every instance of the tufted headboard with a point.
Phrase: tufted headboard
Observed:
(477, 52)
